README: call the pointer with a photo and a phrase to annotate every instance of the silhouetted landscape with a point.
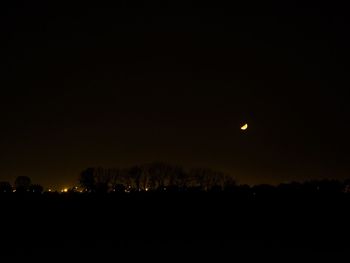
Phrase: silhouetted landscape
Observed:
(174, 130)
(159, 201)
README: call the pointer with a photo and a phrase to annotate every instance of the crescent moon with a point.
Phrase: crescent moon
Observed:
(244, 127)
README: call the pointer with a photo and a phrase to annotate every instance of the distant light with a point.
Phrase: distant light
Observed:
(146, 189)
(65, 190)
(49, 190)
(244, 127)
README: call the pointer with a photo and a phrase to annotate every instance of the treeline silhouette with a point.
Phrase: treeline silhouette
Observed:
(168, 178)
(156, 176)
(23, 184)
(160, 200)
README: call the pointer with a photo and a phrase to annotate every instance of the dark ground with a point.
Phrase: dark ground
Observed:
(163, 226)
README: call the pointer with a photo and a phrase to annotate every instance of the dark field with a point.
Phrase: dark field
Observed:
(201, 225)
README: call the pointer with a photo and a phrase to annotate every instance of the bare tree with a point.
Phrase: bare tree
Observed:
(161, 175)
(207, 179)
(135, 174)
(87, 179)
(178, 177)
(153, 176)
(116, 177)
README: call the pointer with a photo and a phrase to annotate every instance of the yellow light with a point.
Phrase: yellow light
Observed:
(65, 190)
(244, 127)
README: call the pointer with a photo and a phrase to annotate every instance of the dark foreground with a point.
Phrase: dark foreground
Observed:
(170, 225)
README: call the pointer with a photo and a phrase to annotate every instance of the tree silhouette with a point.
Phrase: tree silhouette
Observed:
(100, 180)
(87, 179)
(125, 178)
(5, 187)
(116, 178)
(103, 178)
(162, 175)
(135, 174)
(207, 179)
(156, 176)
(178, 178)
(22, 183)
(36, 188)
(346, 186)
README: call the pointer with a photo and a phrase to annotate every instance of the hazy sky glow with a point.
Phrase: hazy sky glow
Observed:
(94, 86)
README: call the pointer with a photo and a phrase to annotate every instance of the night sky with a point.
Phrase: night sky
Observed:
(113, 86)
